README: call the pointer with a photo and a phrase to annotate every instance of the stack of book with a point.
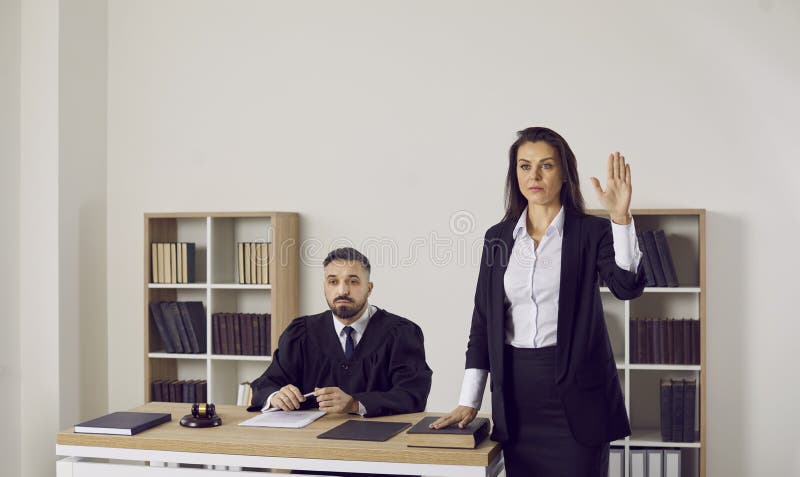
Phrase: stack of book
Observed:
(659, 267)
(165, 390)
(665, 341)
(181, 325)
(245, 394)
(241, 333)
(678, 405)
(253, 262)
(172, 262)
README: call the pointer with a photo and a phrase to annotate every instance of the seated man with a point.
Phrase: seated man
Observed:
(355, 358)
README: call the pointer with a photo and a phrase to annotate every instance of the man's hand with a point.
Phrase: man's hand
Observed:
(288, 398)
(334, 400)
(462, 415)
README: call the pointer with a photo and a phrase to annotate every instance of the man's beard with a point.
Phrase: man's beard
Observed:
(348, 310)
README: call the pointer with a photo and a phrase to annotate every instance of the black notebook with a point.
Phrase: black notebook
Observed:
(123, 423)
(354, 430)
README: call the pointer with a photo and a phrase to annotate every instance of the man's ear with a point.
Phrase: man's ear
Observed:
(370, 289)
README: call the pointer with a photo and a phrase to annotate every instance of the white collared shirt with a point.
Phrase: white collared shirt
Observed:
(532, 284)
(359, 327)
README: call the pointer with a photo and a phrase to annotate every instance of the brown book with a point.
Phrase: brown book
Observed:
(223, 332)
(420, 435)
(266, 333)
(232, 339)
(256, 333)
(670, 341)
(679, 351)
(240, 258)
(246, 330)
(215, 342)
(663, 335)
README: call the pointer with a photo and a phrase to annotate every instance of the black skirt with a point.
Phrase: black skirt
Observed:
(540, 441)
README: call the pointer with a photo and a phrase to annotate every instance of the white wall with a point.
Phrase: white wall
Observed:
(38, 236)
(9, 232)
(82, 209)
(381, 121)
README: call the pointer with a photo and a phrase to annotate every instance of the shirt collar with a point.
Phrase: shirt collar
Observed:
(359, 325)
(557, 225)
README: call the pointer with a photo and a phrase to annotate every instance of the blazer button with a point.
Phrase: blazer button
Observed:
(345, 367)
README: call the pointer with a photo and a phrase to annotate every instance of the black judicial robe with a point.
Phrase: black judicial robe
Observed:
(387, 373)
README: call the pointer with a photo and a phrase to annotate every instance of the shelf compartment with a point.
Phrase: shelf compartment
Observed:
(189, 228)
(226, 233)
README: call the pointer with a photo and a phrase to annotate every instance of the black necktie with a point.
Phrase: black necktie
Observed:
(349, 346)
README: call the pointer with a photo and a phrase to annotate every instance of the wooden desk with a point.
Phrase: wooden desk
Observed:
(232, 447)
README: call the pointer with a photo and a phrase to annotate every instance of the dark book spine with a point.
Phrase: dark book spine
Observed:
(634, 348)
(173, 391)
(655, 263)
(641, 341)
(686, 333)
(689, 394)
(666, 410)
(663, 326)
(677, 410)
(186, 318)
(203, 391)
(237, 333)
(165, 391)
(155, 390)
(215, 343)
(696, 341)
(677, 342)
(185, 391)
(648, 269)
(161, 326)
(172, 326)
(247, 334)
(229, 319)
(658, 331)
(256, 332)
(654, 342)
(223, 332)
(648, 341)
(175, 314)
(667, 264)
(189, 262)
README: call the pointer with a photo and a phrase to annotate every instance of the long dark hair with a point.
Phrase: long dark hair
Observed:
(571, 197)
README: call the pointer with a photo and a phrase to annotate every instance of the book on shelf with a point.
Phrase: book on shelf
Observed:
(172, 262)
(244, 395)
(252, 259)
(659, 267)
(180, 325)
(678, 400)
(655, 462)
(245, 334)
(123, 423)
(665, 341)
(420, 435)
(175, 390)
(638, 463)
(672, 463)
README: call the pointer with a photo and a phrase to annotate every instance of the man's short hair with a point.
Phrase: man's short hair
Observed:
(349, 254)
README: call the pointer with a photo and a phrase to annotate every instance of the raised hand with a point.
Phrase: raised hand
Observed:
(616, 198)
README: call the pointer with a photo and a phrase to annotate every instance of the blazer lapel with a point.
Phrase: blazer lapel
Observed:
(570, 266)
(501, 254)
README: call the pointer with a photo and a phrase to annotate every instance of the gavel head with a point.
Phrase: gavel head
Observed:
(203, 410)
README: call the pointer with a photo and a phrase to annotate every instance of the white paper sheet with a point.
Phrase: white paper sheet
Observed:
(291, 419)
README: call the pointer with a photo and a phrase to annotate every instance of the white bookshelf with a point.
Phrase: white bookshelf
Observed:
(685, 230)
(216, 286)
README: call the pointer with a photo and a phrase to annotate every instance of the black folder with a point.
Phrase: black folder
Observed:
(354, 430)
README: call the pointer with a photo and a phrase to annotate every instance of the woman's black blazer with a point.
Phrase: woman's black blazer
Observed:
(586, 374)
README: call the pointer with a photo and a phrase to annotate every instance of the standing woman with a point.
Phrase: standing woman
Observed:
(538, 324)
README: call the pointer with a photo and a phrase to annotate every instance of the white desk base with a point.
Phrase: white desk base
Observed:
(139, 463)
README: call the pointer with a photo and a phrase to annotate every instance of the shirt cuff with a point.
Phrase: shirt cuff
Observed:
(626, 248)
(362, 411)
(472, 387)
(267, 405)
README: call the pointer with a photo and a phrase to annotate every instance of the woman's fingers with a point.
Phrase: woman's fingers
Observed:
(444, 421)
